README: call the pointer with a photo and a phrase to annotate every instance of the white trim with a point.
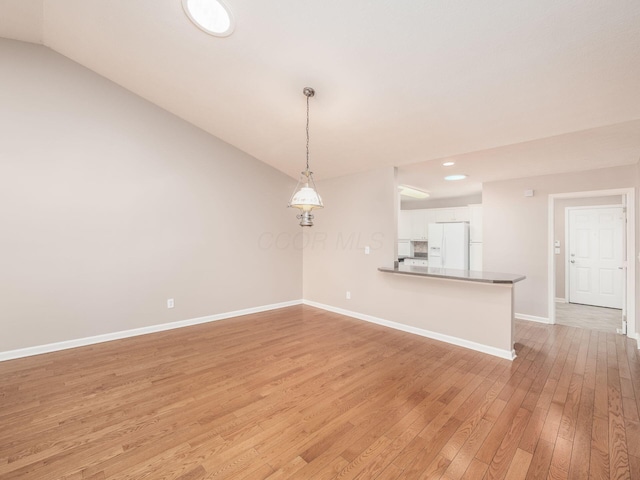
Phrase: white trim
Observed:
(506, 354)
(531, 318)
(565, 264)
(561, 300)
(629, 203)
(107, 337)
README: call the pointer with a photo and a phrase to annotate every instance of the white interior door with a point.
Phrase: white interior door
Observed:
(596, 237)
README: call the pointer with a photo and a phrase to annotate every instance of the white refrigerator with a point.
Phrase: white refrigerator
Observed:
(449, 245)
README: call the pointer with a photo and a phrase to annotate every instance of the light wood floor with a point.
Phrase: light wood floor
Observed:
(587, 316)
(305, 394)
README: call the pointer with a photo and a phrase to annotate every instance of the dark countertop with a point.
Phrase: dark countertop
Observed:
(451, 274)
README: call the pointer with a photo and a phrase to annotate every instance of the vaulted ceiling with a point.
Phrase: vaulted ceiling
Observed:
(397, 81)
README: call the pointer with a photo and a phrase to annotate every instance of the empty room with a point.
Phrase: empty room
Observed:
(319, 240)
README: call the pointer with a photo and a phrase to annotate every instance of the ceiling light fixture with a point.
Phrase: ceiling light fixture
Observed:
(210, 16)
(407, 191)
(448, 164)
(306, 198)
(453, 178)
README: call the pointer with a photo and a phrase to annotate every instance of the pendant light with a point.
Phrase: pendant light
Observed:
(305, 197)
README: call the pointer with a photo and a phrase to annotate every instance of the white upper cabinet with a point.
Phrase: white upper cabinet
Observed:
(475, 223)
(430, 217)
(418, 224)
(454, 214)
(462, 214)
(444, 215)
(404, 224)
(414, 224)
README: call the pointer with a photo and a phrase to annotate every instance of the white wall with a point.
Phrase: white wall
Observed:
(110, 205)
(515, 226)
(360, 210)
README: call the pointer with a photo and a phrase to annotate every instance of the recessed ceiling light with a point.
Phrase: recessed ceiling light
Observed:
(412, 192)
(211, 16)
(459, 176)
(448, 164)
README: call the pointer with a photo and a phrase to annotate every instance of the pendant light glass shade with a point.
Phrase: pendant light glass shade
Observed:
(305, 196)
(306, 199)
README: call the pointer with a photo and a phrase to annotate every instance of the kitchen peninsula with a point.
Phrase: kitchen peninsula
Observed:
(464, 307)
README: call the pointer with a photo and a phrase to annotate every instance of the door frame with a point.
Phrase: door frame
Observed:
(566, 265)
(630, 287)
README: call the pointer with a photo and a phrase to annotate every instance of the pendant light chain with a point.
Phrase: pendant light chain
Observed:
(305, 197)
(307, 133)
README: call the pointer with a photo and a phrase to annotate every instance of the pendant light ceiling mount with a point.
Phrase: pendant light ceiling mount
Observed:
(305, 196)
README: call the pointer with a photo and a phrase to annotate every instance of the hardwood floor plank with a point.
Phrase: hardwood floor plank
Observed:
(390, 473)
(533, 430)
(476, 470)
(634, 463)
(618, 450)
(599, 462)
(504, 422)
(560, 460)
(519, 465)
(305, 394)
(508, 447)
(581, 453)
(465, 456)
(541, 461)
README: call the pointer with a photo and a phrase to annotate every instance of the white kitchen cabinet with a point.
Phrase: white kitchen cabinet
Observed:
(416, 262)
(414, 224)
(404, 224)
(475, 257)
(453, 214)
(418, 225)
(430, 216)
(404, 248)
(444, 215)
(475, 223)
(461, 214)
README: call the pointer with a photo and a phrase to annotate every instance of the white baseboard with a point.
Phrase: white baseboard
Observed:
(561, 300)
(532, 318)
(107, 337)
(509, 355)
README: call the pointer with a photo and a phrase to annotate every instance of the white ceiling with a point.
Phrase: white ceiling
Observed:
(397, 81)
(585, 150)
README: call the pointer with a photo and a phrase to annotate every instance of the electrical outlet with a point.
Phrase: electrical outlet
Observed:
(170, 303)
(367, 250)
(348, 295)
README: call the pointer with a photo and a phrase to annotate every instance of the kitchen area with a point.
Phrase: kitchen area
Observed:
(439, 257)
(448, 237)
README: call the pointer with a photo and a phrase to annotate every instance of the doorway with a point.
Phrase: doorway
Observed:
(601, 244)
(594, 237)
